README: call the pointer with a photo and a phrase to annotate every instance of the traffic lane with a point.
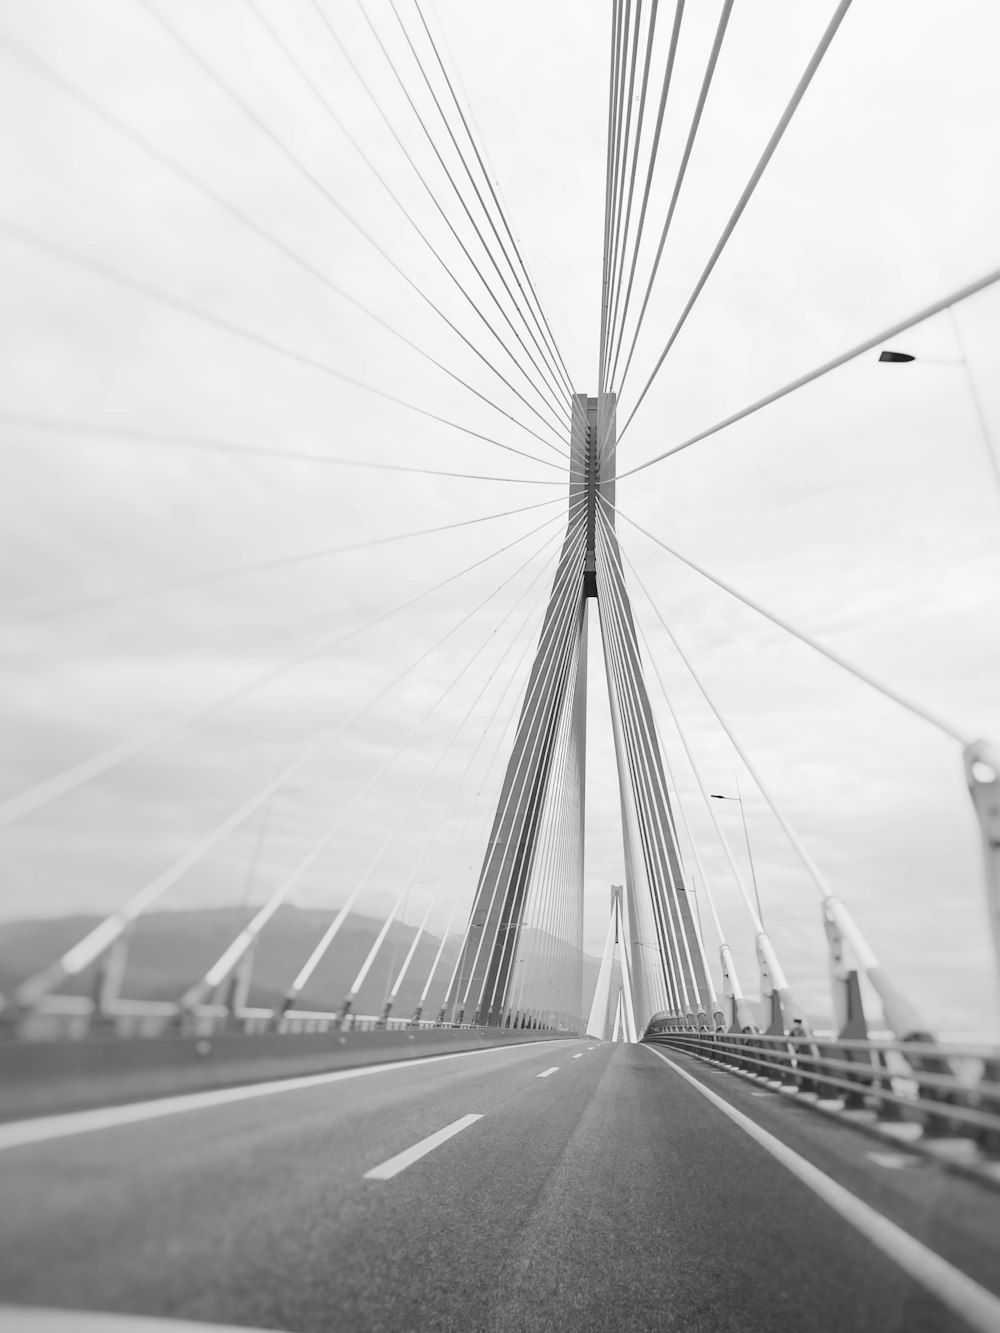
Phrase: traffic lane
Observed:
(952, 1215)
(655, 1213)
(425, 1249)
(160, 1217)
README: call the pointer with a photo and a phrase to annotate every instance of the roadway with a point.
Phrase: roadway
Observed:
(609, 1194)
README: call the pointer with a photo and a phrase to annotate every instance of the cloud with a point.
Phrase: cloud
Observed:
(861, 508)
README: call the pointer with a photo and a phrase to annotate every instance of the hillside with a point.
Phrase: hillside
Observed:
(170, 950)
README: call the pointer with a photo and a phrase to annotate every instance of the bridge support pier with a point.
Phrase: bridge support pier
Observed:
(238, 986)
(848, 1007)
(108, 980)
(739, 1017)
(614, 954)
(982, 772)
(780, 1004)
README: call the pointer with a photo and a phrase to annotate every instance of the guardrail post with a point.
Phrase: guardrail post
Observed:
(804, 1054)
(887, 1110)
(936, 1123)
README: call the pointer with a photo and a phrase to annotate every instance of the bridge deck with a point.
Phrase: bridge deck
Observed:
(608, 1195)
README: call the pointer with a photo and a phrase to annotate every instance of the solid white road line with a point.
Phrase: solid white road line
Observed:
(546, 1072)
(953, 1288)
(410, 1155)
(23, 1133)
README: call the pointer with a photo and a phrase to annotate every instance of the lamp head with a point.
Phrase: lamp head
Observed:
(895, 358)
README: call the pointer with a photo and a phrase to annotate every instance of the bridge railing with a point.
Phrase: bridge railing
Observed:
(76, 1017)
(919, 1090)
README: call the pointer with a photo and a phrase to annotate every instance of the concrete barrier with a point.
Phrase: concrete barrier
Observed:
(49, 1077)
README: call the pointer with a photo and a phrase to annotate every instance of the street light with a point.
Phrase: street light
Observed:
(746, 833)
(886, 356)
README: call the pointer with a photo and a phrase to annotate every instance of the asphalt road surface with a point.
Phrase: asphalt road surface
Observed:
(566, 1186)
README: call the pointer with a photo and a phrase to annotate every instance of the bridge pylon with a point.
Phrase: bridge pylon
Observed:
(612, 1011)
(541, 801)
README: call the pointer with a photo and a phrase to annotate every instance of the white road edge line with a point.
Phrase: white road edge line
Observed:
(953, 1288)
(42, 1129)
(546, 1072)
(408, 1156)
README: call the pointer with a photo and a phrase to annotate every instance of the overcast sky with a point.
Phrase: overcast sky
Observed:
(862, 508)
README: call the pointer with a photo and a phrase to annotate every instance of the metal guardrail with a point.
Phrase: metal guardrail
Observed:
(918, 1092)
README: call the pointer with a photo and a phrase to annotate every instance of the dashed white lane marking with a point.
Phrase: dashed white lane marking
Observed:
(23, 1133)
(578, 1056)
(978, 1307)
(392, 1167)
(546, 1072)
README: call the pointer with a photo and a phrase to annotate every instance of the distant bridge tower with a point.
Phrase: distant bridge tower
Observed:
(612, 1011)
(545, 777)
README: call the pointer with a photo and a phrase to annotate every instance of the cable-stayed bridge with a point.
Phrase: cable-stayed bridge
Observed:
(310, 1017)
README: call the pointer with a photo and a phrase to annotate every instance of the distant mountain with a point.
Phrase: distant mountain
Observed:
(171, 950)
